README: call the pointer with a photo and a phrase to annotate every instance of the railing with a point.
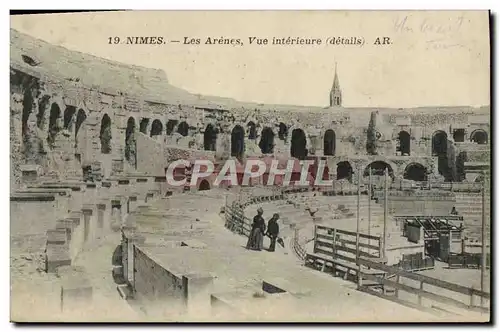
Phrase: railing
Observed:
(341, 244)
(434, 293)
(298, 249)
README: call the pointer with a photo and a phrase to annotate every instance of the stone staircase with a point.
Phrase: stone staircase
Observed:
(470, 206)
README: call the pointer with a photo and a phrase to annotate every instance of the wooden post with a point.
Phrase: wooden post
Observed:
(315, 238)
(420, 297)
(369, 205)
(396, 292)
(333, 246)
(386, 172)
(358, 219)
(483, 238)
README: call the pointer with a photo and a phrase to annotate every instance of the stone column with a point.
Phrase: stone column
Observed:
(197, 292)
(87, 215)
(101, 209)
(132, 202)
(116, 214)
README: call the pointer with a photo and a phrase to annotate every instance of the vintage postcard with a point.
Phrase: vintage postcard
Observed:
(250, 166)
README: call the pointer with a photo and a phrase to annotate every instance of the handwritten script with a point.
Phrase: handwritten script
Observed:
(438, 34)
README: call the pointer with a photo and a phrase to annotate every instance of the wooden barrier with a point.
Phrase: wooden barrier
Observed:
(398, 285)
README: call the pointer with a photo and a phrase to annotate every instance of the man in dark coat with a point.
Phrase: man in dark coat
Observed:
(273, 231)
(256, 238)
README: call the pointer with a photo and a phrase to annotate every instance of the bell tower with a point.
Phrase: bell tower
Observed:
(335, 92)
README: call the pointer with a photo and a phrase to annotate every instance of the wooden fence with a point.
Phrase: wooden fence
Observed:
(335, 250)
(434, 293)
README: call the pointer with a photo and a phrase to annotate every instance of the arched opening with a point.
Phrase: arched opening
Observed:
(479, 136)
(404, 141)
(440, 149)
(378, 170)
(156, 128)
(105, 134)
(266, 143)
(344, 171)
(42, 105)
(210, 138)
(479, 178)
(171, 126)
(27, 109)
(252, 130)
(130, 143)
(204, 185)
(183, 128)
(55, 114)
(298, 148)
(283, 131)
(69, 112)
(237, 141)
(80, 118)
(415, 172)
(460, 166)
(143, 126)
(329, 143)
(459, 135)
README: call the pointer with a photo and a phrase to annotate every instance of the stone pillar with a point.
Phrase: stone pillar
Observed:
(116, 214)
(197, 292)
(87, 216)
(132, 202)
(101, 209)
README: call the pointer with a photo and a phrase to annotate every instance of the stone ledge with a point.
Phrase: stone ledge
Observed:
(56, 256)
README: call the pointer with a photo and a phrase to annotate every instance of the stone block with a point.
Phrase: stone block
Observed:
(56, 256)
(57, 236)
(197, 293)
(76, 289)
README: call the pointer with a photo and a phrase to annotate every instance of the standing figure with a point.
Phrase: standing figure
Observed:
(256, 238)
(273, 231)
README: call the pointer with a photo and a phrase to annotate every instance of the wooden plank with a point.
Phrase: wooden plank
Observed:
(365, 236)
(361, 244)
(417, 291)
(324, 244)
(353, 251)
(399, 301)
(428, 280)
(326, 237)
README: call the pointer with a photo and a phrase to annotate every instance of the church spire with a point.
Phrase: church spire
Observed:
(335, 92)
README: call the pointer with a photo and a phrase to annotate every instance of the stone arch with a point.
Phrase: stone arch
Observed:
(143, 126)
(81, 116)
(252, 130)
(171, 126)
(183, 128)
(404, 140)
(440, 149)
(344, 170)
(27, 109)
(156, 128)
(42, 107)
(479, 136)
(55, 114)
(204, 185)
(298, 147)
(416, 172)
(210, 138)
(68, 117)
(479, 178)
(378, 168)
(237, 141)
(439, 143)
(130, 143)
(282, 131)
(266, 143)
(329, 143)
(460, 166)
(105, 135)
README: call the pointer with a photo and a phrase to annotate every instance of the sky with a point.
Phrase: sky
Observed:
(433, 59)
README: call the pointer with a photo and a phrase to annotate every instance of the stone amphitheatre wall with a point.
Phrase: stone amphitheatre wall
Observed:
(71, 110)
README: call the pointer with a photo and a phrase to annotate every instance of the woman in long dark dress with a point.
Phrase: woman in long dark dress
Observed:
(256, 238)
